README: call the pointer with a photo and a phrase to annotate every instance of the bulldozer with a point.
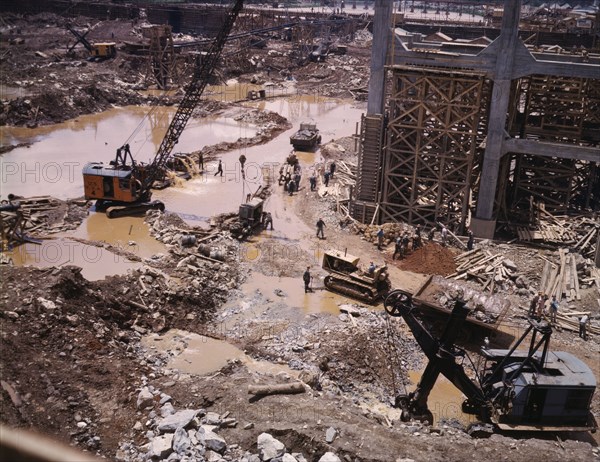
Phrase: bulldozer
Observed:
(345, 277)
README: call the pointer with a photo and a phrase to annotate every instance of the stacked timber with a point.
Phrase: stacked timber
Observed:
(568, 319)
(577, 233)
(487, 268)
(561, 279)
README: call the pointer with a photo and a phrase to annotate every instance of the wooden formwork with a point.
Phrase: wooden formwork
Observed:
(437, 121)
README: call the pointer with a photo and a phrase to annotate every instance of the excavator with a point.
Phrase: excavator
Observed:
(123, 187)
(531, 389)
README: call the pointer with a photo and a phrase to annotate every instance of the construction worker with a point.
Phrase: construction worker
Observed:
(371, 268)
(404, 244)
(583, 326)
(242, 160)
(332, 168)
(380, 235)
(541, 305)
(416, 241)
(297, 178)
(553, 309)
(326, 179)
(290, 187)
(431, 234)
(269, 221)
(471, 239)
(306, 278)
(533, 305)
(444, 236)
(313, 182)
(219, 169)
(320, 226)
(418, 230)
(201, 161)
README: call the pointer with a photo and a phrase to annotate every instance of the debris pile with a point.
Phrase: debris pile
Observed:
(577, 233)
(489, 269)
(23, 219)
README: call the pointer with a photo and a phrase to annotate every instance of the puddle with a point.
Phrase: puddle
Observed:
(320, 301)
(208, 195)
(445, 400)
(119, 233)
(55, 160)
(201, 355)
(96, 262)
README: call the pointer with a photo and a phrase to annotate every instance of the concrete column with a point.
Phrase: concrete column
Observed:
(381, 40)
(484, 223)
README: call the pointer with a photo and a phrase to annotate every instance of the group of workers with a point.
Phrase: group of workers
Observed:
(537, 309)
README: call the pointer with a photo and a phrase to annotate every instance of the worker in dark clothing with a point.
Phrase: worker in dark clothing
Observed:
(219, 169)
(269, 221)
(313, 182)
(320, 226)
(380, 236)
(297, 178)
(431, 234)
(291, 187)
(201, 161)
(471, 240)
(326, 178)
(332, 168)
(306, 278)
(418, 230)
(404, 244)
(533, 305)
(416, 241)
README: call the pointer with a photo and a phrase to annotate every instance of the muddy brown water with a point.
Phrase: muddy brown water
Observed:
(200, 355)
(52, 166)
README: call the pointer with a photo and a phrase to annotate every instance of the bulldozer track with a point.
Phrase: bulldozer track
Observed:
(351, 288)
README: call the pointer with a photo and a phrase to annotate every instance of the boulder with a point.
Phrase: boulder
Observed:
(288, 458)
(166, 410)
(180, 419)
(145, 398)
(269, 447)
(181, 441)
(329, 457)
(212, 441)
(160, 447)
(330, 435)
(509, 264)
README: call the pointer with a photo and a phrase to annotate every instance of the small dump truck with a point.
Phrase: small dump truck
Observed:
(346, 278)
(306, 138)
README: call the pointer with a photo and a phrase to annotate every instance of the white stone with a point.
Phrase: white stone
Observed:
(145, 398)
(288, 458)
(329, 457)
(174, 421)
(212, 441)
(160, 447)
(269, 447)
(181, 441)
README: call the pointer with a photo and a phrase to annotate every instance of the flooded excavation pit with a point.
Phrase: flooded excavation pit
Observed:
(54, 162)
(96, 262)
(291, 291)
(200, 355)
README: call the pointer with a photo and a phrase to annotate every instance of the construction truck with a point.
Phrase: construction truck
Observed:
(345, 277)
(532, 389)
(123, 187)
(250, 217)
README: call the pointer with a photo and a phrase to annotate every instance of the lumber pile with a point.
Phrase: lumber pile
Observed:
(578, 233)
(487, 268)
(569, 320)
(561, 279)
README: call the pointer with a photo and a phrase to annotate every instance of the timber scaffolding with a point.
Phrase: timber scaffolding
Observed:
(477, 138)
